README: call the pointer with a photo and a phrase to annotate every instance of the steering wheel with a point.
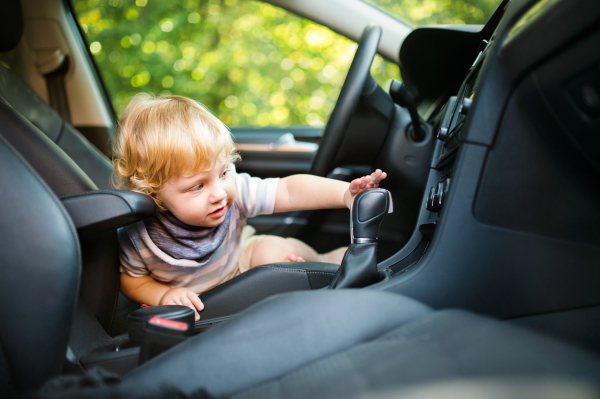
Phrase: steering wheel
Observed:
(339, 121)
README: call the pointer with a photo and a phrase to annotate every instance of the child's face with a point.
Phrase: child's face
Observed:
(202, 198)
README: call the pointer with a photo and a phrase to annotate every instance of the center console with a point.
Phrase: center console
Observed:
(508, 225)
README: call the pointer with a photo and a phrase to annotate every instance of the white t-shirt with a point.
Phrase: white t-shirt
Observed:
(141, 257)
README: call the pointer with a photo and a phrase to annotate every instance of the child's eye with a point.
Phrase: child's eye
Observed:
(224, 174)
(197, 188)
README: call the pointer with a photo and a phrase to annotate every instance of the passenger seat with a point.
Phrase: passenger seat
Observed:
(17, 94)
(70, 165)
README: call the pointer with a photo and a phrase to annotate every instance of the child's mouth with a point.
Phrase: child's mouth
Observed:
(218, 213)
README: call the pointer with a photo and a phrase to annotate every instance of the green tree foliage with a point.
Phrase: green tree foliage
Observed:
(249, 62)
(436, 12)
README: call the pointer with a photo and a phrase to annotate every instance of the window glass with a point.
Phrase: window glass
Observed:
(435, 12)
(251, 63)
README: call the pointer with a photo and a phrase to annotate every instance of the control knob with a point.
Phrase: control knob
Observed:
(466, 106)
(442, 134)
(435, 198)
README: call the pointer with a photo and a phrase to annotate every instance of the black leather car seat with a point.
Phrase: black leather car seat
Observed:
(70, 165)
(319, 344)
(42, 264)
(17, 94)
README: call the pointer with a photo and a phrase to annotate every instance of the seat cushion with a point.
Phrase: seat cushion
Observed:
(275, 337)
(441, 346)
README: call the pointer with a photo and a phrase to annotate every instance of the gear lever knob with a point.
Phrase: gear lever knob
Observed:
(367, 211)
(359, 266)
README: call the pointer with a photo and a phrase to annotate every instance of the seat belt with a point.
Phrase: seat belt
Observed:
(53, 66)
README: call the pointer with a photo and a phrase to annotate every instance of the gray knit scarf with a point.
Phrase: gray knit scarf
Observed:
(182, 241)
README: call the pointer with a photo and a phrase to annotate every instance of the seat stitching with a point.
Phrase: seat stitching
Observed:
(281, 268)
(293, 270)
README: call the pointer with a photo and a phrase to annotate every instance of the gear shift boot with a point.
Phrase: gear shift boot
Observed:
(358, 268)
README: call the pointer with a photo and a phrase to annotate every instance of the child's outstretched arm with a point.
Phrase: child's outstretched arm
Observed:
(146, 290)
(303, 192)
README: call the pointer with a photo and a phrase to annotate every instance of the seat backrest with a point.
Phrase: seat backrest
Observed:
(40, 265)
(69, 164)
(100, 280)
(17, 94)
(25, 101)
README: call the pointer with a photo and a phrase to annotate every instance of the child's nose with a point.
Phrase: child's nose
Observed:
(218, 194)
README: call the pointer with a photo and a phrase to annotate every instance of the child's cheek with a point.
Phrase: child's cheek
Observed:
(232, 192)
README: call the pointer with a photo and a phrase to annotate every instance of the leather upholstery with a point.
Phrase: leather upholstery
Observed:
(100, 280)
(40, 267)
(262, 282)
(447, 345)
(24, 100)
(70, 165)
(99, 211)
(54, 166)
(17, 94)
(275, 337)
(358, 268)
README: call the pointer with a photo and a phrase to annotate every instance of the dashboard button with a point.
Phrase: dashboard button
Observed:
(442, 134)
(466, 105)
(430, 199)
(435, 198)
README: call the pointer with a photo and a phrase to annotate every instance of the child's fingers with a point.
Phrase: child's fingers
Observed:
(375, 176)
(378, 176)
(189, 304)
(196, 315)
(354, 186)
(193, 297)
(365, 181)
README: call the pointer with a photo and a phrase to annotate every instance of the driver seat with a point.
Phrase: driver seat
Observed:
(321, 344)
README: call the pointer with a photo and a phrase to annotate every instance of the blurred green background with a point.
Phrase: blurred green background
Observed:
(250, 63)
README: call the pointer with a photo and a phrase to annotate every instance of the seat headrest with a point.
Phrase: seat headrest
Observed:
(11, 24)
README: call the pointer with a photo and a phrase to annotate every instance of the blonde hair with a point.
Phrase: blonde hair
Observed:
(163, 137)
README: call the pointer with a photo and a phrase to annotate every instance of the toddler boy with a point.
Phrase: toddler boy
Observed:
(174, 150)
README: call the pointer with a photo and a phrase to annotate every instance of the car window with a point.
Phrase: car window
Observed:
(251, 63)
(436, 12)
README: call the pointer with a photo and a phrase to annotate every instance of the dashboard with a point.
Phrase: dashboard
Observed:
(508, 223)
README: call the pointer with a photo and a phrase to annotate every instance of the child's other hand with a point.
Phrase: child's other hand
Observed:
(185, 297)
(363, 184)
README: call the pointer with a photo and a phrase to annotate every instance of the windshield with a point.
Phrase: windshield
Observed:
(437, 12)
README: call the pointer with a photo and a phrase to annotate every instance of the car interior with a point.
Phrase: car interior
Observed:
(474, 269)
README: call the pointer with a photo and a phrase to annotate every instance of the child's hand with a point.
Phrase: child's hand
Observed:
(363, 184)
(185, 297)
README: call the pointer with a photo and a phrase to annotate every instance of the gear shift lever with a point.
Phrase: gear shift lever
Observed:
(366, 213)
(359, 266)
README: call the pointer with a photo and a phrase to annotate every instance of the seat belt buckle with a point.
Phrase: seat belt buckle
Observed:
(159, 335)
